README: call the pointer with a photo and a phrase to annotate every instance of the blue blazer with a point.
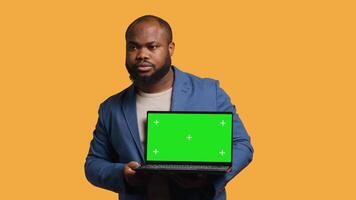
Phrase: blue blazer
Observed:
(116, 138)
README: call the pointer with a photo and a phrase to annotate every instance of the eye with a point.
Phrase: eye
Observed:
(153, 47)
(131, 47)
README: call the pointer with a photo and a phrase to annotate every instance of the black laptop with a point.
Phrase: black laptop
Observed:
(188, 142)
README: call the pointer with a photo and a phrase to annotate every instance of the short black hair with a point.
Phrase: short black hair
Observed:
(164, 24)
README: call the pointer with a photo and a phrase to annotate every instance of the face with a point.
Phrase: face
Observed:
(148, 53)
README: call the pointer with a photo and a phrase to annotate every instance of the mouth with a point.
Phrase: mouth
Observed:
(144, 67)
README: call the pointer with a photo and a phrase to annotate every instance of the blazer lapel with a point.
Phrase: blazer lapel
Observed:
(129, 109)
(181, 90)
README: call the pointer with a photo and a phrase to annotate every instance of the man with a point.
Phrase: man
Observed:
(117, 145)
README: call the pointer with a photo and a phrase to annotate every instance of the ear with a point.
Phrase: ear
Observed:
(171, 47)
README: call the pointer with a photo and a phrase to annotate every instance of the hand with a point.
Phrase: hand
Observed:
(132, 177)
(188, 181)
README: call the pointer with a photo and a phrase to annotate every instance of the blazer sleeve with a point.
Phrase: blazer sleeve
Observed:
(101, 168)
(242, 148)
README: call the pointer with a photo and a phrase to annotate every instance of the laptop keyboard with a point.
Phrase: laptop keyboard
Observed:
(185, 167)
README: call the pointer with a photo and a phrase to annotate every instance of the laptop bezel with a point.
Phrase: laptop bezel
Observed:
(190, 162)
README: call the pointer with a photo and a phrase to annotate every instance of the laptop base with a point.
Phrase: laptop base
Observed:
(183, 168)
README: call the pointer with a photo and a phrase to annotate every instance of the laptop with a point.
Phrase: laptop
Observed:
(188, 142)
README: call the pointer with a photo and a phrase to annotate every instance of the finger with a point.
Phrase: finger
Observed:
(133, 164)
(130, 171)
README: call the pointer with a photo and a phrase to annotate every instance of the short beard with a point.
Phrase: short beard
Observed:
(154, 78)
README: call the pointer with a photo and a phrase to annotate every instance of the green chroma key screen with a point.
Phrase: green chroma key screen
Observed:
(189, 137)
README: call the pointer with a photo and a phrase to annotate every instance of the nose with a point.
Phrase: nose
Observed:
(142, 54)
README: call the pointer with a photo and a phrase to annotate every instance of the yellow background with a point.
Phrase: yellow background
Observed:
(289, 66)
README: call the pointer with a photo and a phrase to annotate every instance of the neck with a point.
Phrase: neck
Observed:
(164, 84)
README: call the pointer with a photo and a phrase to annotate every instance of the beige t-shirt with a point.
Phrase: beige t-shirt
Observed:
(150, 102)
